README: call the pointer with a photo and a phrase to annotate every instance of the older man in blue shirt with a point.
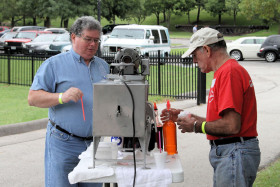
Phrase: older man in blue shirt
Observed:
(59, 85)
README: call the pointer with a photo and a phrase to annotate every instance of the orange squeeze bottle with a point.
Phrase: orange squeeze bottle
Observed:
(170, 135)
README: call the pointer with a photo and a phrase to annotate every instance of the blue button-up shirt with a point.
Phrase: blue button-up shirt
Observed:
(57, 74)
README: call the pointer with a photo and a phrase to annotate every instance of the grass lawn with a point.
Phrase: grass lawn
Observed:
(14, 107)
(269, 177)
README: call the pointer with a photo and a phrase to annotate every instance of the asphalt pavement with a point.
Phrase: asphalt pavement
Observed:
(22, 155)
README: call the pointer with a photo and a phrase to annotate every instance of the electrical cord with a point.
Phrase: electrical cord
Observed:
(133, 139)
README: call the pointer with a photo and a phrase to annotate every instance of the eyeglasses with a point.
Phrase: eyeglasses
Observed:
(90, 40)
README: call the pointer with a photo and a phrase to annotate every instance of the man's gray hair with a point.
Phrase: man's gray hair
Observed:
(85, 23)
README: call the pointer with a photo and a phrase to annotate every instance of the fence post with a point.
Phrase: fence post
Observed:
(9, 67)
(201, 87)
(32, 67)
(159, 86)
(198, 86)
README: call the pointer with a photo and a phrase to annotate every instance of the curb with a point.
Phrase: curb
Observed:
(17, 128)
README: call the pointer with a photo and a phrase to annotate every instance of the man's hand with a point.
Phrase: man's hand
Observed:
(72, 94)
(186, 124)
(171, 114)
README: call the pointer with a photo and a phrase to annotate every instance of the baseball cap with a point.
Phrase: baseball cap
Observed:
(204, 36)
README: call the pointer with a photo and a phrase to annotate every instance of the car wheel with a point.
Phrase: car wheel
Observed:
(237, 55)
(270, 56)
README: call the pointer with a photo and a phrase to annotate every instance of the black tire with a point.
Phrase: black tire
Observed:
(270, 56)
(237, 55)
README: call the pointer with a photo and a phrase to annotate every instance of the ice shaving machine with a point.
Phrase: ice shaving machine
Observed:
(120, 102)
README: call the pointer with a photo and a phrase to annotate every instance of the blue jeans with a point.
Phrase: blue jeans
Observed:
(235, 164)
(61, 156)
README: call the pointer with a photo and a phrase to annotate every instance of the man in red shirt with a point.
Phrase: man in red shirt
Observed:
(231, 120)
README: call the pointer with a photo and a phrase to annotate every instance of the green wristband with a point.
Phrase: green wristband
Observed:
(60, 98)
(203, 127)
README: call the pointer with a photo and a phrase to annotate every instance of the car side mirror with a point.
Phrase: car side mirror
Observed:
(151, 38)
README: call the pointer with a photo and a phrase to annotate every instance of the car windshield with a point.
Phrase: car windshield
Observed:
(29, 35)
(128, 33)
(9, 35)
(45, 38)
(62, 38)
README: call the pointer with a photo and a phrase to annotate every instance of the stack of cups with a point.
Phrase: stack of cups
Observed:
(160, 159)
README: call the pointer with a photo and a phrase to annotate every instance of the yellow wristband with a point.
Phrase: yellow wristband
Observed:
(60, 98)
(203, 127)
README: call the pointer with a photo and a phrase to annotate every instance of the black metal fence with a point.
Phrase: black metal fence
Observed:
(170, 76)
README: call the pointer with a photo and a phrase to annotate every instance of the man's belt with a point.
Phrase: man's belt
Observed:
(229, 140)
(71, 134)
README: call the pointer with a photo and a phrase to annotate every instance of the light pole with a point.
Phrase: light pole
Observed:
(99, 19)
(99, 10)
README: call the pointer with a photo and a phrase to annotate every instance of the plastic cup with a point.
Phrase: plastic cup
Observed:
(114, 148)
(160, 159)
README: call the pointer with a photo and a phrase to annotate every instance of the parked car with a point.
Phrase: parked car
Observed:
(5, 31)
(3, 28)
(60, 41)
(56, 30)
(270, 49)
(143, 38)
(4, 37)
(40, 44)
(245, 47)
(109, 28)
(27, 28)
(15, 45)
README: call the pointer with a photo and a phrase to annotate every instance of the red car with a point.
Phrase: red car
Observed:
(15, 45)
(2, 28)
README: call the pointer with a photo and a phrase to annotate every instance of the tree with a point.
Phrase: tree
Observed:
(10, 11)
(268, 11)
(47, 10)
(154, 7)
(67, 9)
(185, 6)
(138, 13)
(112, 9)
(216, 7)
(169, 8)
(233, 7)
(29, 9)
(200, 5)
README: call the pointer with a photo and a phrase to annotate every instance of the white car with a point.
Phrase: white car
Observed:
(142, 38)
(245, 47)
(57, 30)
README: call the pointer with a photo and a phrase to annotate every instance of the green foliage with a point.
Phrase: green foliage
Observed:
(138, 13)
(232, 7)
(184, 6)
(268, 11)
(112, 9)
(216, 7)
(154, 7)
